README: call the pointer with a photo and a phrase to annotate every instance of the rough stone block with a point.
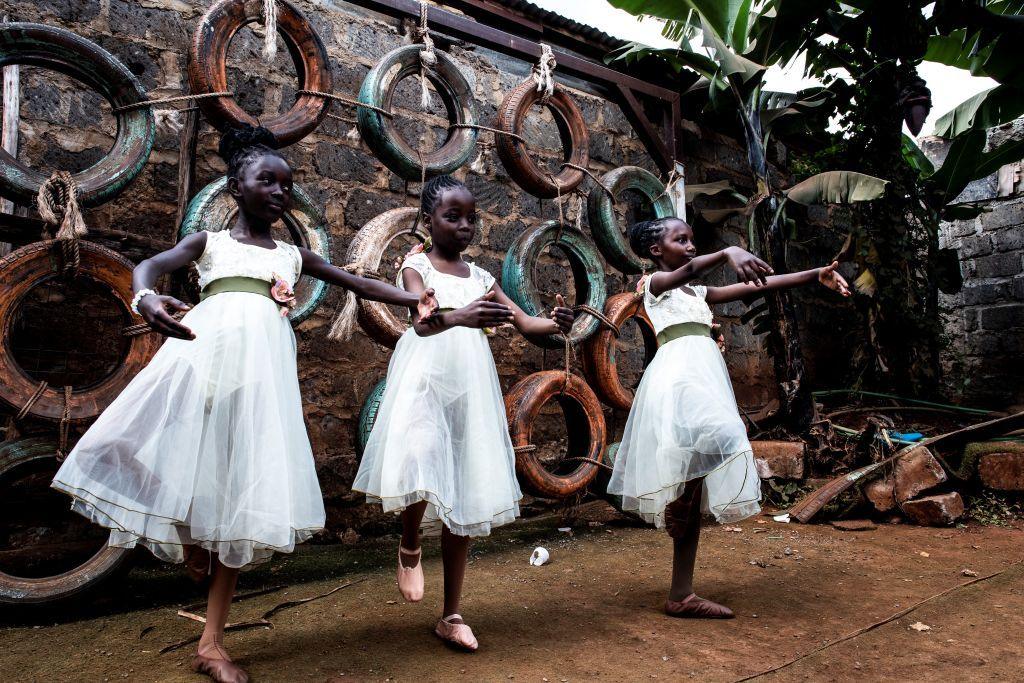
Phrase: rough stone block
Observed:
(345, 163)
(975, 245)
(779, 459)
(940, 510)
(986, 293)
(998, 265)
(1002, 317)
(1010, 239)
(1002, 471)
(1004, 214)
(914, 473)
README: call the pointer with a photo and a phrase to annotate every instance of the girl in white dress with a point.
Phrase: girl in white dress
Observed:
(206, 446)
(440, 446)
(684, 435)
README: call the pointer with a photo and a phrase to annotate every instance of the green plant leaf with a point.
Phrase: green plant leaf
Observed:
(721, 15)
(692, 191)
(967, 160)
(837, 187)
(865, 283)
(988, 108)
(731, 63)
(964, 211)
(915, 157)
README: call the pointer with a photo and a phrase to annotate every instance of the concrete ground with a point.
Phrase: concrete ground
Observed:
(592, 613)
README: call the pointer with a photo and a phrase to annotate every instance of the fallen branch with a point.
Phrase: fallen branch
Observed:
(259, 623)
(295, 603)
(810, 505)
(238, 598)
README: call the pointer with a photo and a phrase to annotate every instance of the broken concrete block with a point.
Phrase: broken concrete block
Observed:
(779, 459)
(914, 473)
(1000, 465)
(940, 510)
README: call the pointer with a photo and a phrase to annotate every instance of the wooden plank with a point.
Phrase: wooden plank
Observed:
(652, 136)
(186, 164)
(9, 129)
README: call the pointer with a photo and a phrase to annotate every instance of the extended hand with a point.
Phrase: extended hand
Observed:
(562, 315)
(748, 267)
(716, 334)
(153, 309)
(484, 312)
(829, 277)
(427, 306)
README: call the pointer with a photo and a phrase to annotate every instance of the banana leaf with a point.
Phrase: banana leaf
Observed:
(837, 187)
(988, 108)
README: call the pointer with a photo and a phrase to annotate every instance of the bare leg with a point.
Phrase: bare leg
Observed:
(684, 546)
(222, 589)
(411, 518)
(454, 553)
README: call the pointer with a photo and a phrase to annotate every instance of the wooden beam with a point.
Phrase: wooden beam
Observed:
(9, 131)
(659, 142)
(187, 143)
(21, 230)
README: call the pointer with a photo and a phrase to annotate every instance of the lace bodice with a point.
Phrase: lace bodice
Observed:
(225, 256)
(676, 306)
(451, 291)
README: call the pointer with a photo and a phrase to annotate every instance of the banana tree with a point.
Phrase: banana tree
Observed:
(740, 39)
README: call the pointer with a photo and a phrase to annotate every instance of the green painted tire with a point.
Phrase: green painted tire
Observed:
(214, 209)
(587, 269)
(605, 226)
(368, 416)
(61, 50)
(600, 487)
(382, 137)
(106, 561)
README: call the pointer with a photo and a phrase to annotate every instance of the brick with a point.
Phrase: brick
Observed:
(1018, 288)
(914, 473)
(999, 318)
(1011, 239)
(779, 459)
(986, 293)
(941, 510)
(975, 245)
(1004, 214)
(345, 163)
(998, 265)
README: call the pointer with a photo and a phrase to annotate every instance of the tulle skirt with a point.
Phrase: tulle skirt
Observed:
(441, 436)
(684, 424)
(207, 445)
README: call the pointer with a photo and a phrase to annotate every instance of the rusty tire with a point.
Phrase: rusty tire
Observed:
(105, 562)
(599, 364)
(366, 251)
(382, 137)
(517, 276)
(214, 209)
(515, 157)
(522, 406)
(604, 224)
(29, 266)
(50, 47)
(207, 68)
(368, 416)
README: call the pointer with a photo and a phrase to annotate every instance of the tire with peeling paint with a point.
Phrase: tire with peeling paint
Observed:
(33, 265)
(214, 209)
(599, 365)
(207, 68)
(382, 137)
(58, 49)
(517, 276)
(367, 250)
(368, 416)
(515, 156)
(584, 421)
(604, 224)
(101, 566)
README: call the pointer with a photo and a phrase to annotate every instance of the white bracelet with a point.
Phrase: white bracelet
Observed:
(138, 297)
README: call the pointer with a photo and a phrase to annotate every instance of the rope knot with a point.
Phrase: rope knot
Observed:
(543, 72)
(57, 203)
(428, 59)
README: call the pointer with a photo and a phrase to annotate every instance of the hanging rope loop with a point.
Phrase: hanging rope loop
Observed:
(269, 17)
(57, 202)
(428, 60)
(543, 73)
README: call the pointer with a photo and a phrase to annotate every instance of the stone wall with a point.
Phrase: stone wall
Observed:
(984, 321)
(65, 127)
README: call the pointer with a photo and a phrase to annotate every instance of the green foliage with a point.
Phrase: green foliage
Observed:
(995, 509)
(987, 109)
(968, 160)
(837, 187)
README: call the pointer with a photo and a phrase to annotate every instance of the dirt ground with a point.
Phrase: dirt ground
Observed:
(592, 613)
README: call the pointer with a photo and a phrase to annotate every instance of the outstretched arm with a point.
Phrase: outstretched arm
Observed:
(560, 320)
(747, 266)
(484, 312)
(826, 275)
(155, 308)
(316, 266)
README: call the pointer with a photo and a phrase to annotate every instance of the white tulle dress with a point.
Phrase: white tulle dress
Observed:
(207, 444)
(441, 434)
(684, 423)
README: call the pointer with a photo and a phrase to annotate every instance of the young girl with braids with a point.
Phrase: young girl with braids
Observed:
(206, 446)
(440, 447)
(685, 448)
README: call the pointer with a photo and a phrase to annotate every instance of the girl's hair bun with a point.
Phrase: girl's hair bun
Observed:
(239, 139)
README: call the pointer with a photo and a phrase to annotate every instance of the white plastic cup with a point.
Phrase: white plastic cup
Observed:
(540, 556)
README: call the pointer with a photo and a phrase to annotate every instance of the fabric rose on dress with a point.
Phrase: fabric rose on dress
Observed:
(282, 293)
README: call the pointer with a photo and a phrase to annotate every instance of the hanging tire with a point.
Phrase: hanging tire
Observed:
(32, 265)
(61, 50)
(599, 364)
(39, 452)
(585, 423)
(604, 225)
(379, 131)
(214, 209)
(368, 416)
(366, 250)
(515, 157)
(517, 276)
(207, 68)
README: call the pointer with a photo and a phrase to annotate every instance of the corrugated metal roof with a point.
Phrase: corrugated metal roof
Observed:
(551, 19)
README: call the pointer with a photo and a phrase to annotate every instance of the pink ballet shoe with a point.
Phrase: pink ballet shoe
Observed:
(410, 579)
(459, 635)
(220, 668)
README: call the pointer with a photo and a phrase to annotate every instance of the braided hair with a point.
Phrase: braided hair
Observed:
(645, 234)
(434, 189)
(243, 145)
